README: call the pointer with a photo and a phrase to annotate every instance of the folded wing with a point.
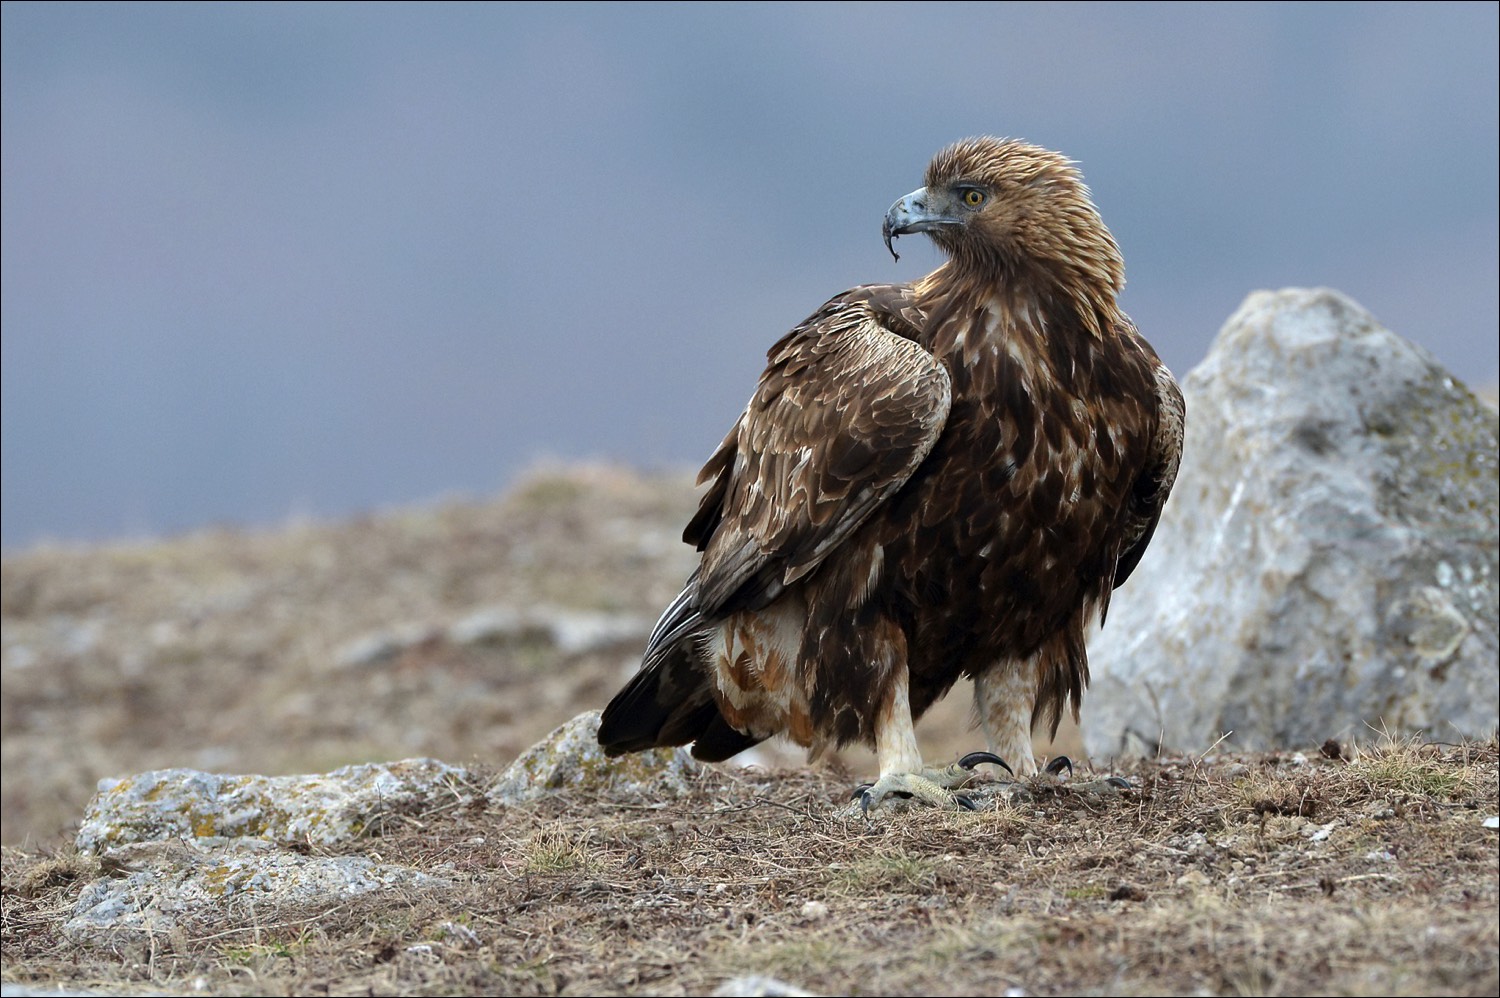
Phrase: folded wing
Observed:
(848, 408)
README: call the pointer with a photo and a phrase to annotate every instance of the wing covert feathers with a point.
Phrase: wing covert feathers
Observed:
(845, 412)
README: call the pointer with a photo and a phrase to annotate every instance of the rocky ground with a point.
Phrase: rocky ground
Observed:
(463, 631)
(467, 631)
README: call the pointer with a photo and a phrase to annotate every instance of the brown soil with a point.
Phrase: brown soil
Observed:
(1359, 869)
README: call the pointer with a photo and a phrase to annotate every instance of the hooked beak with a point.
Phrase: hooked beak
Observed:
(919, 211)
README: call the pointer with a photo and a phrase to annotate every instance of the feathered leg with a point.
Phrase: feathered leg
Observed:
(1004, 697)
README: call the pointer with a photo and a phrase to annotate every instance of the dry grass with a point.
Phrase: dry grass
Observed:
(1205, 878)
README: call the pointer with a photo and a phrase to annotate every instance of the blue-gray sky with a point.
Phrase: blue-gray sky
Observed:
(268, 260)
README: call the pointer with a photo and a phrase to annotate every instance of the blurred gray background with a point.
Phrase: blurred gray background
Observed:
(264, 261)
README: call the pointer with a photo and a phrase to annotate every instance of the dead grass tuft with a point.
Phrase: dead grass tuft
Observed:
(46, 874)
(554, 849)
(888, 872)
(1409, 767)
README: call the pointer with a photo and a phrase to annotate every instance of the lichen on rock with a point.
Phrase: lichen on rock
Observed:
(158, 885)
(322, 809)
(570, 759)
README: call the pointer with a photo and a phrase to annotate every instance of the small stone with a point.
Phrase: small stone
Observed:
(1193, 878)
(170, 883)
(383, 647)
(1323, 832)
(461, 933)
(814, 910)
(757, 986)
(571, 632)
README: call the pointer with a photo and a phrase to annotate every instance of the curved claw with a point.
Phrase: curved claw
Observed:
(975, 758)
(1057, 765)
(862, 790)
(1119, 781)
(965, 802)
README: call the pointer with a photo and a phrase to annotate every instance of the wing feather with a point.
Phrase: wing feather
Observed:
(1151, 489)
(846, 410)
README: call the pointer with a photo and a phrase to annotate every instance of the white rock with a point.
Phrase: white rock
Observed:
(1328, 561)
(1323, 832)
(498, 625)
(464, 935)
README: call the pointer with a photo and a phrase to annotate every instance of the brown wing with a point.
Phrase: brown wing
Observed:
(1150, 490)
(846, 410)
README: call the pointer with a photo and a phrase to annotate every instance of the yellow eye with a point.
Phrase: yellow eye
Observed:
(973, 198)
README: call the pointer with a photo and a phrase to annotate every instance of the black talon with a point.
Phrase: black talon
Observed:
(860, 791)
(1057, 765)
(965, 802)
(975, 758)
(1119, 781)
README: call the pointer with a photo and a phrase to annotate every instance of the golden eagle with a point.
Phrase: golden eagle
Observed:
(932, 480)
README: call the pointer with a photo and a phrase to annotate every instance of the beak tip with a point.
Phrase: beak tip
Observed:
(888, 236)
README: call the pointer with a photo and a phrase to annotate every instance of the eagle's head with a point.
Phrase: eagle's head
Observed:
(1006, 206)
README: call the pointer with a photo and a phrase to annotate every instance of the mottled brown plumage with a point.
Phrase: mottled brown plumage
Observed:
(933, 480)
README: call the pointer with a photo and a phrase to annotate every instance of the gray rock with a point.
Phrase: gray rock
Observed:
(187, 846)
(567, 632)
(571, 632)
(1328, 563)
(385, 647)
(570, 759)
(160, 885)
(320, 810)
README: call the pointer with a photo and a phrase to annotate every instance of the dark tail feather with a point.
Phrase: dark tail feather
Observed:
(670, 702)
(666, 703)
(717, 741)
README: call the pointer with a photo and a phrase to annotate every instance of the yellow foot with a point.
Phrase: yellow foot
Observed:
(896, 791)
(931, 787)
